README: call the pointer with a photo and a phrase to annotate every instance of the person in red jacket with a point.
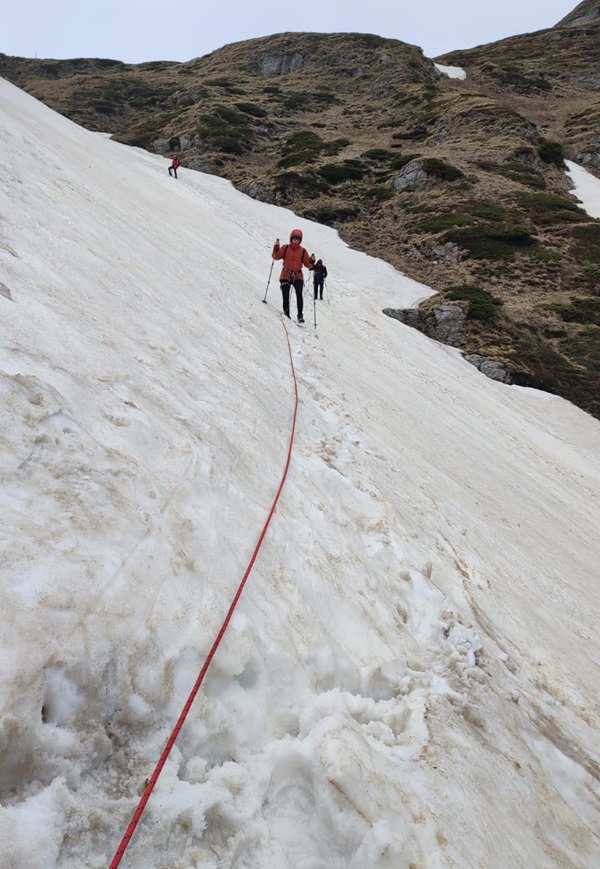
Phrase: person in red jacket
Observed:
(174, 167)
(294, 257)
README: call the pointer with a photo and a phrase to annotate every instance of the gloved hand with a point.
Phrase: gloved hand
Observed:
(276, 246)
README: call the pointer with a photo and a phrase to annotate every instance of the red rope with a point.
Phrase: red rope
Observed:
(180, 721)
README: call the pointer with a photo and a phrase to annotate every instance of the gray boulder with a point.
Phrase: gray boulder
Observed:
(491, 368)
(279, 64)
(414, 176)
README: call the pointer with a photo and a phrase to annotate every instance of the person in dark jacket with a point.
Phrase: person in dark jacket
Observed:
(319, 275)
(174, 167)
(294, 257)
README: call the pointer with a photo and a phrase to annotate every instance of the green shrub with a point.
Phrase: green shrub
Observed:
(485, 210)
(251, 109)
(226, 129)
(442, 222)
(307, 184)
(297, 158)
(302, 140)
(224, 83)
(330, 216)
(105, 107)
(301, 147)
(297, 101)
(305, 146)
(440, 169)
(324, 97)
(347, 170)
(546, 255)
(548, 208)
(482, 305)
(521, 173)
(230, 116)
(380, 194)
(585, 311)
(489, 241)
(586, 346)
(552, 152)
(418, 134)
(572, 370)
(219, 82)
(389, 124)
(401, 160)
(378, 155)
(520, 80)
(333, 148)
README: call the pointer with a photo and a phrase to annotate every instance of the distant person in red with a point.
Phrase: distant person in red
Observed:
(174, 167)
(294, 257)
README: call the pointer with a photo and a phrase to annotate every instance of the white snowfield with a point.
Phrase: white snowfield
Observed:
(411, 679)
(587, 188)
(451, 71)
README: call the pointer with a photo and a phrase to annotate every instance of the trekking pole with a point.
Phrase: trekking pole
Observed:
(269, 281)
(315, 309)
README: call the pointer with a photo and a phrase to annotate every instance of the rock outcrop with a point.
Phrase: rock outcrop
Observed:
(587, 11)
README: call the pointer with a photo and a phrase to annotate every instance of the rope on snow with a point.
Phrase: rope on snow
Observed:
(181, 720)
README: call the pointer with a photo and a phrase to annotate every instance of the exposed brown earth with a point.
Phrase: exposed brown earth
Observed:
(456, 183)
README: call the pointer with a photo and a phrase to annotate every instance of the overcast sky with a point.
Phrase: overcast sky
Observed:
(140, 30)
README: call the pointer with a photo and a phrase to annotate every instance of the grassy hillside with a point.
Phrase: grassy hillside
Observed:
(458, 183)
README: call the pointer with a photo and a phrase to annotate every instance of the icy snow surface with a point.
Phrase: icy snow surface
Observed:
(412, 675)
(451, 71)
(587, 188)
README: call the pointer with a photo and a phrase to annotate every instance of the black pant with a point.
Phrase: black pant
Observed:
(319, 287)
(285, 292)
(172, 169)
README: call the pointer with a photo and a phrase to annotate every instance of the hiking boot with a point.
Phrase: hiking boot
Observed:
(300, 318)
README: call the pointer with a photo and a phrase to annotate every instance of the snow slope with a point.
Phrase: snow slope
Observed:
(411, 678)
